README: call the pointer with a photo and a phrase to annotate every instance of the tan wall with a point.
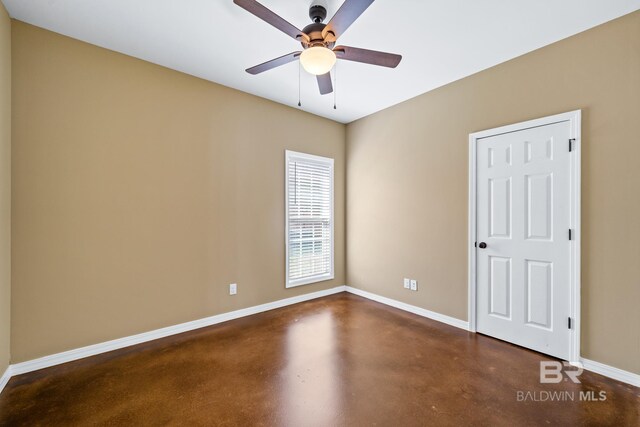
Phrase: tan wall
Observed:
(140, 193)
(407, 181)
(5, 188)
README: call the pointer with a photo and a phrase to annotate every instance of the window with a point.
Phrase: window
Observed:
(309, 211)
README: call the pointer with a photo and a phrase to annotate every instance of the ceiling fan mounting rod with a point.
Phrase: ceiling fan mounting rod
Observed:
(317, 13)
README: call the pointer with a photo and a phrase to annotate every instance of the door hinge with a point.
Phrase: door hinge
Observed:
(571, 141)
(570, 237)
(569, 322)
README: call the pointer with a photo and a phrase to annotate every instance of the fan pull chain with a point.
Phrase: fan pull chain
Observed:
(335, 84)
(299, 71)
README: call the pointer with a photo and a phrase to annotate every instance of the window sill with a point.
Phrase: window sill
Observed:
(309, 280)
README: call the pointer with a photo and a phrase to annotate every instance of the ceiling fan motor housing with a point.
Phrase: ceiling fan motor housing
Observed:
(314, 31)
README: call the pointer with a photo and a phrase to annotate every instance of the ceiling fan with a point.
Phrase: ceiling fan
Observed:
(318, 40)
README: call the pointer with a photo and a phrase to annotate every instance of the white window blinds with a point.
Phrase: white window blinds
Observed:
(309, 209)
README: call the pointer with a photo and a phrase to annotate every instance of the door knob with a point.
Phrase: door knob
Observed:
(482, 245)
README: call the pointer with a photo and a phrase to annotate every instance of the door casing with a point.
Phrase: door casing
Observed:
(574, 118)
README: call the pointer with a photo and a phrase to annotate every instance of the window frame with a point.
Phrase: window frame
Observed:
(294, 155)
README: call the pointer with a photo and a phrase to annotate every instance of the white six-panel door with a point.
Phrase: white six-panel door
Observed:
(523, 218)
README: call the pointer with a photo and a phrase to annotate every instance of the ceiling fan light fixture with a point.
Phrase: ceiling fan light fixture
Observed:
(318, 60)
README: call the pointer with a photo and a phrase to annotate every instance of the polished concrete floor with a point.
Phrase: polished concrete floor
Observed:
(336, 361)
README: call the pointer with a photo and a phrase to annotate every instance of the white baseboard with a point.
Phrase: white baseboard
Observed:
(92, 350)
(4, 379)
(611, 372)
(452, 321)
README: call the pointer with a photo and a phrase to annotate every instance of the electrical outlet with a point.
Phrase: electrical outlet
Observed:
(233, 289)
(407, 284)
(414, 285)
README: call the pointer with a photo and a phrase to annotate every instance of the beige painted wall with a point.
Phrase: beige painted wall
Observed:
(407, 181)
(5, 188)
(140, 193)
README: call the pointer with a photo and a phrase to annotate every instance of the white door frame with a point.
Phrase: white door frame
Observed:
(574, 118)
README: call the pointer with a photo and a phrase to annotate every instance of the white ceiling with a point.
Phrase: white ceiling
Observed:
(441, 41)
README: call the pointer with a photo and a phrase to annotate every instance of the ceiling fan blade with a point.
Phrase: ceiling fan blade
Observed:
(373, 57)
(345, 16)
(324, 83)
(285, 59)
(270, 17)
